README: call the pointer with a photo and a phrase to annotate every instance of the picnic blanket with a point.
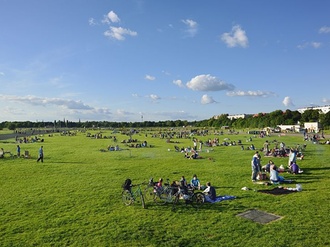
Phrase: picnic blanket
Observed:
(278, 191)
(220, 198)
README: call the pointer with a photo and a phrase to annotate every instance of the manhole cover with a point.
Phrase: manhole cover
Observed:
(259, 216)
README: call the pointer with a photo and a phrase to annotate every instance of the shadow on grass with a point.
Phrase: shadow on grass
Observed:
(225, 187)
(315, 169)
(65, 162)
(188, 208)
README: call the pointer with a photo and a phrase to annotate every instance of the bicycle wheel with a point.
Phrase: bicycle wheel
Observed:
(171, 194)
(142, 200)
(160, 197)
(149, 193)
(127, 197)
(175, 201)
(198, 199)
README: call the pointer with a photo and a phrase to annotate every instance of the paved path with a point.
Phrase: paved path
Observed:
(27, 133)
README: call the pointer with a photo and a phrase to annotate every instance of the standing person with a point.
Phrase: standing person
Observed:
(195, 144)
(266, 148)
(292, 157)
(210, 193)
(41, 154)
(255, 164)
(200, 145)
(18, 151)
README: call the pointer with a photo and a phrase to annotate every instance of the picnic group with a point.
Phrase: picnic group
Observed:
(270, 170)
(182, 188)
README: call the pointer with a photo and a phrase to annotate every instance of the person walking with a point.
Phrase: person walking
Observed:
(18, 149)
(41, 154)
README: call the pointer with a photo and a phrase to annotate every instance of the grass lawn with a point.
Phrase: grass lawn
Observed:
(74, 197)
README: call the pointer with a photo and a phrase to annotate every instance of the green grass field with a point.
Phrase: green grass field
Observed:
(74, 197)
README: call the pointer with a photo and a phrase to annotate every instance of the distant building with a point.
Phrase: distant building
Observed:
(236, 116)
(312, 127)
(324, 109)
(293, 128)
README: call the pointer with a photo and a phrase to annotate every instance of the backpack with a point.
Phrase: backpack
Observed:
(127, 184)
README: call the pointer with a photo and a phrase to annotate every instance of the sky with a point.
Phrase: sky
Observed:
(153, 60)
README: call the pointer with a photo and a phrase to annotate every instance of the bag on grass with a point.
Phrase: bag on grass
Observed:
(262, 176)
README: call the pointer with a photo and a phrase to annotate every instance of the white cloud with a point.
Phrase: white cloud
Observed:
(112, 16)
(287, 101)
(154, 97)
(257, 93)
(236, 37)
(206, 99)
(173, 115)
(305, 45)
(34, 100)
(191, 27)
(208, 83)
(50, 108)
(119, 33)
(92, 22)
(121, 112)
(316, 44)
(326, 101)
(178, 83)
(324, 29)
(150, 78)
(2, 74)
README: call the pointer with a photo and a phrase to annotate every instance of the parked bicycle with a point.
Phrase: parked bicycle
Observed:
(159, 195)
(149, 191)
(129, 196)
(189, 196)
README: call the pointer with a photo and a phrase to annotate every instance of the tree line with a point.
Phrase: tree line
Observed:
(259, 121)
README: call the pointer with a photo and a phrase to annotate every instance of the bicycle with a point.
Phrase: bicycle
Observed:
(159, 195)
(129, 196)
(195, 199)
(149, 191)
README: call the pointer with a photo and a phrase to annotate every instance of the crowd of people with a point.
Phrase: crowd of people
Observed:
(272, 170)
(194, 184)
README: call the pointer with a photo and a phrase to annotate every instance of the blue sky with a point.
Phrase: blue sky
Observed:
(152, 60)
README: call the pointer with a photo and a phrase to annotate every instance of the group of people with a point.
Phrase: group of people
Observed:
(18, 153)
(272, 169)
(195, 184)
(192, 155)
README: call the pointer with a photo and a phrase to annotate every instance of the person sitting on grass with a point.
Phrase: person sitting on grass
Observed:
(183, 181)
(266, 168)
(195, 183)
(294, 168)
(194, 154)
(160, 183)
(210, 193)
(275, 177)
(158, 186)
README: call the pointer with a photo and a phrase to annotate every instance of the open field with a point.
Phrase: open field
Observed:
(74, 197)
